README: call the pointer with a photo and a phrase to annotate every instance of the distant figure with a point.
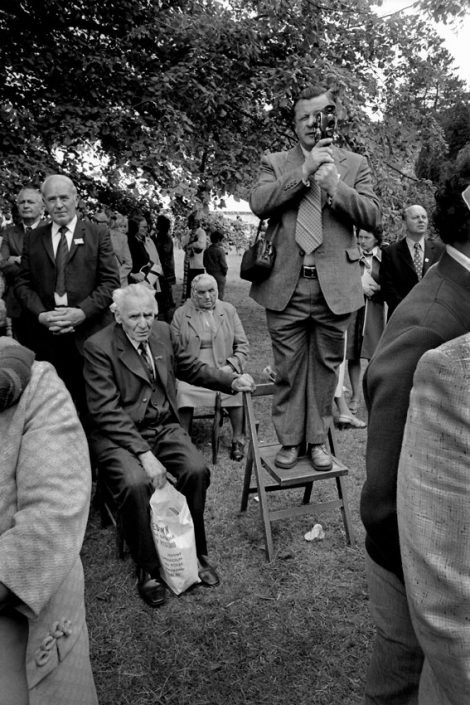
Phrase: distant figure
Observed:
(194, 246)
(45, 478)
(367, 323)
(30, 210)
(164, 244)
(215, 262)
(405, 262)
(118, 234)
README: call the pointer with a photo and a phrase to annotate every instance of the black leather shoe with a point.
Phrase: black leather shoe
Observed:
(151, 590)
(286, 457)
(237, 450)
(321, 459)
(206, 572)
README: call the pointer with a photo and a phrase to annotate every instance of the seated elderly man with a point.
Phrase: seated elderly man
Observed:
(130, 370)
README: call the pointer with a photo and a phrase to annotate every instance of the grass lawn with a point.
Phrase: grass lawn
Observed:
(296, 630)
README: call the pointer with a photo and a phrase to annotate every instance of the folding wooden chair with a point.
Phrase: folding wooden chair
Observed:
(269, 478)
(217, 414)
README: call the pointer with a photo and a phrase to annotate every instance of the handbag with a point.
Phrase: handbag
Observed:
(258, 260)
(173, 535)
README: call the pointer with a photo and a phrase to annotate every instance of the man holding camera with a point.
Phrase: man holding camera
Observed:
(314, 196)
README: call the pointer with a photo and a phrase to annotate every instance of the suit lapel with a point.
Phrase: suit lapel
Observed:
(46, 240)
(79, 236)
(404, 255)
(129, 356)
(157, 351)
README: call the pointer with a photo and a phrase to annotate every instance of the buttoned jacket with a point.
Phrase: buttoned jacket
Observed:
(91, 275)
(397, 271)
(229, 342)
(46, 482)
(276, 196)
(118, 387)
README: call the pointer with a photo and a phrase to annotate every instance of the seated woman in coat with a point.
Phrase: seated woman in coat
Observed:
(45, 478)
(211, 330)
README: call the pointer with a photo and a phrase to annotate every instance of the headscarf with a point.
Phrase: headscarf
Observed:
(194, 297)
(15, 371)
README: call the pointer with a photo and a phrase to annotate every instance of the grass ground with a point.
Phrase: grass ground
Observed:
(296, 630)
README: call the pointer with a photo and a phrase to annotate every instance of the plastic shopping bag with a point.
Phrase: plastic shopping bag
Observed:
(173, 534)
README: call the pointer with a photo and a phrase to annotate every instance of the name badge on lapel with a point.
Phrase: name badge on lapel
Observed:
(78, 241)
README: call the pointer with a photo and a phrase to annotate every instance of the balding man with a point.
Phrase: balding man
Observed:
(67, 275)
(30, 210)
(406, 262)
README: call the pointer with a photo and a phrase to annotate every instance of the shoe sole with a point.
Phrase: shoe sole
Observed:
(322, 468)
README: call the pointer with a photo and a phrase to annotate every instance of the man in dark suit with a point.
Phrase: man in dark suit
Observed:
(435, 311)
(67, 275)
(405, 262)
(314, 195)
(30, 210)
(130, 370)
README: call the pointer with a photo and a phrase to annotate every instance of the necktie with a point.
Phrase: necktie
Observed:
(418, 260)
(146, 361)
(308, 230)
(61, 257)
(366, 259)
(28, 229)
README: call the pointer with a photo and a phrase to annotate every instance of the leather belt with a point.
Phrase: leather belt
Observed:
(309, 272)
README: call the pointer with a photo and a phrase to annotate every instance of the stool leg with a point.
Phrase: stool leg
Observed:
(347, 520)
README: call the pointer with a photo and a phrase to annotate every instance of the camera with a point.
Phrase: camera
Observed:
(326, 123)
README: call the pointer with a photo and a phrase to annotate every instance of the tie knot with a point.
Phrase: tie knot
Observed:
(63, 229)
(417, 247)
(142, 349)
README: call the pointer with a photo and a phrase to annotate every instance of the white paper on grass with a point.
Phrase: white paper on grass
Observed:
(173, 535)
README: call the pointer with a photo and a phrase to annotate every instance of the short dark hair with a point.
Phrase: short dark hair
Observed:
(216, 236)
(451, 215)
(313, 91)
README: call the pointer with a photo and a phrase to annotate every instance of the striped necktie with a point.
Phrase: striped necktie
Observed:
(147, 364)
(308, 230)
(61, 257)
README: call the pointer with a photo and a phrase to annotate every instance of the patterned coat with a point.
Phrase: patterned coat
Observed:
(45, 484)
(433, 504)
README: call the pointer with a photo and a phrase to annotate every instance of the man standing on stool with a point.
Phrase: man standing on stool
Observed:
(314, 196)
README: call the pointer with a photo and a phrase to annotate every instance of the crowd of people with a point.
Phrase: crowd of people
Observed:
(98, 364)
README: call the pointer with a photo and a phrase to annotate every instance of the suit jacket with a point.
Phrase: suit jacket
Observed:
(91, 276)
(46, 481)
(229, 342)
(397, 271)
(436, 310)
(433, 504)
(12, 246)
(277, 195)
(119, 390)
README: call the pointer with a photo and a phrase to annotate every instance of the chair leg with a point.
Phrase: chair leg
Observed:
(247, 478)
(347, 519)
(217, 427)
(307, 493)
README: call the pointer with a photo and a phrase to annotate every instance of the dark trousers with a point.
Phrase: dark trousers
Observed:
(308, 347)
(62, 352)
(131, 490)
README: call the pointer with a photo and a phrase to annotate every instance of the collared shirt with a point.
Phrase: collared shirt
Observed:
(136, 346)
(459, 257)
(55, 235)
(33, 226)
(411, 246)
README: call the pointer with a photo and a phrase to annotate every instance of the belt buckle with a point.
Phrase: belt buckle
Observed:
(309, 272)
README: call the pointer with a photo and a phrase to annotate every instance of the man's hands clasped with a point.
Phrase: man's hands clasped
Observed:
(62, 320)
(244, 383)
(320, 164)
